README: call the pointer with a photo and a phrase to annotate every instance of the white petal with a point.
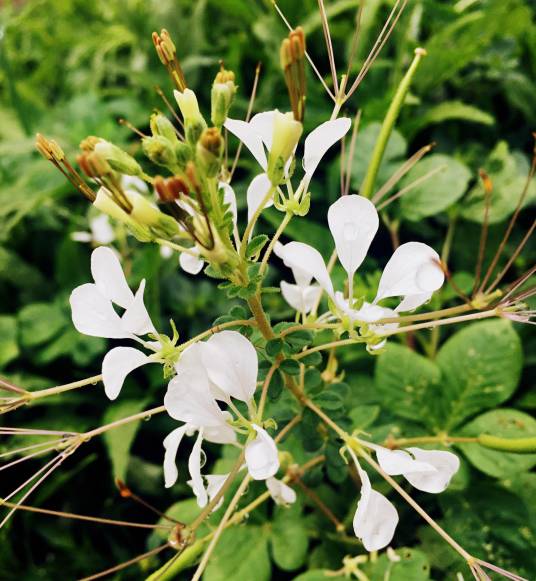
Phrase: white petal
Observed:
(171, 444)
(396, 462)
(232, 364)
(412, 269)
(229, 197)
(300, 298)
(214, 484)
(308, 260)
(261, 455)
(411, 302)
(93, 314)
(302, 277)
(223, 434)
(263, 125)
(445, 463)
(191, 264)
(194, 467)
(188, 399)
(375, 519)
(257, 190)
(280, 492)
(117, 364)
(109, 277)
(136, 318)
(134, 183)
(320, 140)
(353, 221)
(249, 137)
(102, 230)
(166, 252)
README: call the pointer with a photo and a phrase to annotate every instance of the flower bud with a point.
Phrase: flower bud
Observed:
(161, 125)
(183, 154)
(170, 189)
(223, 91)
(209, 150)
(159, 150)
(194, 123)
(118, 159)
(88, 144)
(285, 137)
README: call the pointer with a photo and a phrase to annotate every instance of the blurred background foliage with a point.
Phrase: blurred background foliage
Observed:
(71, 68)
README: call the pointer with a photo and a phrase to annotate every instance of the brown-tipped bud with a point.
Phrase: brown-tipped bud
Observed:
(88, 144)
(167, 53)
(209, 151)
(170, 189)
(191, 174)
(94, 165)
(486, 181)
(223, 91)
(124, 490)
(48, 148)
(292, 58)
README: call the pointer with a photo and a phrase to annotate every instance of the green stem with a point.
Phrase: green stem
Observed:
(257, 310)
(388, 125)
(253, 221)
(33, 395)
(277, 235)
(516, 445)
(175, 565)
(136, 417)
(217, 329)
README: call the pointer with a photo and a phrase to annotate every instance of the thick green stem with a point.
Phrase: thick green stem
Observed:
(516, 445)
(388, 125)
(257, 310)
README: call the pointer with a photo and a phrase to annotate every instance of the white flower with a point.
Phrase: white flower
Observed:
(223, 368)
(261, 455)
(259, 132)
(376, 518)
(427, 470)
(93, 313)
(280, 492)
(413, 271)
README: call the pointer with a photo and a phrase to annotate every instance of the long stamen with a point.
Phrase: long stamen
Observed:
(329, 46)
(351, 152)
(125, 492)
(488, 188)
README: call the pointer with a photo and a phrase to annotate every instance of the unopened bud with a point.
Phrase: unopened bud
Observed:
(209, 151)
(194, 123)
(88, 144)
(161, 125)
(285, 137)
(94, 165)
(292, 58)
(223, 91)
(118, 159)
(183, 153)
(48, 148)
(170, 189)
(159, 150)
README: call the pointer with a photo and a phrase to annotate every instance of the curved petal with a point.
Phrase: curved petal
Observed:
(375, 518)
(280, 492)
(263, 125)
(396, 462)
(109, 277)
(320, 140)
(136, 319)
(257, 190)
(195, 461)
(353, 221)
(297, 255)
(232, 364)
(300, 298)
(93, 314)
(261, 455)
(214, 484)
(412, 269)
(223, 434)
(446, 464)
(171, 444)
(302, 277)
(411, 302)
(117, 364)
(189, 400)
(191, 264)
(229, 198)
(249, 137)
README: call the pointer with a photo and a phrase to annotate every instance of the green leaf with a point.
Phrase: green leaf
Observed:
(413, 565)
(319, 575)
(481, 366)
(437, 193)
(242, 553)
(274, 347)
(329, 400)
(363, 416)
(9, 348)
(447, 111)
(255, 245)
(300, 339)
(39, 323)
(290, 366)
(289, 538)
(408, 384)
(508, 173)
(505, 423)
(119, 440)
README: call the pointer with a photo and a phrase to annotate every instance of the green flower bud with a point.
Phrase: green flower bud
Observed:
(209, 151)
(223, 91)
(183, 154)
(161, 125)
(118, 159)
(159, 150)
(287, 133)
(194, 124)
